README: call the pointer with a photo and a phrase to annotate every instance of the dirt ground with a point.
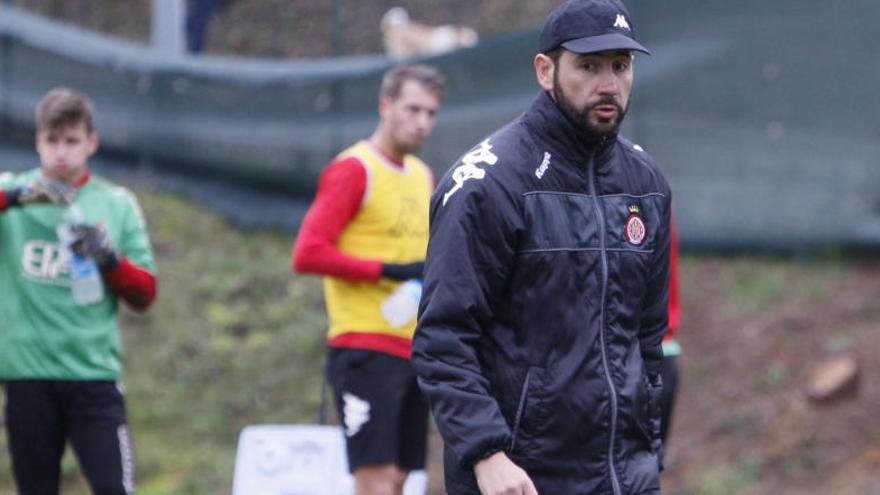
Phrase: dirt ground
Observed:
(753, 330)
(743, 423)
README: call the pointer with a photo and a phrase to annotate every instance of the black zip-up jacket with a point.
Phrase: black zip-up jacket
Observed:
(545, 301)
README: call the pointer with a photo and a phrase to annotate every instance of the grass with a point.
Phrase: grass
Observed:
(236, 339)
(756, 284)
(729, 479)
(233, 339)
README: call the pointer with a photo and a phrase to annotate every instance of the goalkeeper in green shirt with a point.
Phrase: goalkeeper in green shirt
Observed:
(60, 352)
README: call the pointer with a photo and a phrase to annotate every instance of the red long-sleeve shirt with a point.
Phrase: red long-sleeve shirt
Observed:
(341, 191)
(674, 309)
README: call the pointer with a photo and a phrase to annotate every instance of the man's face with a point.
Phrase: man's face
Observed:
(593, 89)
(410, 118)
(65, 151)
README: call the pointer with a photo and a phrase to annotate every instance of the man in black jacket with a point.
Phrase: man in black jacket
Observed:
(546, 283)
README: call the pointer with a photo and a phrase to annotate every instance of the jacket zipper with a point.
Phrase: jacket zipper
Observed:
(591, 173)
(520, 408)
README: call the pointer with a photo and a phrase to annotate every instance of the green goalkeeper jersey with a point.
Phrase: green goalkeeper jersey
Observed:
(44, 334)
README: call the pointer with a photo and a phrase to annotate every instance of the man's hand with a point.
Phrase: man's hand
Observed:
(498, 475)
(92, 242)
(44, 191)
(403, 272)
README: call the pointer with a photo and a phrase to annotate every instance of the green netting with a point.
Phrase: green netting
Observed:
(273, 123)
(762, 114)
(773, 139)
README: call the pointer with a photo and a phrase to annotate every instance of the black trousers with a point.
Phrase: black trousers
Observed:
(42, 415)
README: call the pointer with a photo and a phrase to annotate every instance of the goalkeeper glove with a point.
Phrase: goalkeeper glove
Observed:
(91, 241)
(42, 191)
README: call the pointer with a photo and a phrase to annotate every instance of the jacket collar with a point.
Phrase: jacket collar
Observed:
(552, 126)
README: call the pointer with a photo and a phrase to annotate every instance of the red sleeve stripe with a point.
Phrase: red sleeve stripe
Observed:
(3, 203)
(133, 284)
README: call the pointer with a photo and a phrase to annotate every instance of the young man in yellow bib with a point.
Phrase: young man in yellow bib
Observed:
(367, 233)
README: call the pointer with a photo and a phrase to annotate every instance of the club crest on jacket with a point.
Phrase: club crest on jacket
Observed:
(635, 227)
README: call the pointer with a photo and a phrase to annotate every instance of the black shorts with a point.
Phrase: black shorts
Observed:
(383, 413)
(42, 415)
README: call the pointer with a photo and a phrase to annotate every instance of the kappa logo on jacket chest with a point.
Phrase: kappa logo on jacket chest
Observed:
(635, 230)
(545, 164)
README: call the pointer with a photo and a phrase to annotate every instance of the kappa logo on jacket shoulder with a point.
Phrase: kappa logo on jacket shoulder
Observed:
(469, 169)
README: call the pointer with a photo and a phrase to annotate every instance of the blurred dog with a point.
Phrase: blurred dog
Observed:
(404, 38)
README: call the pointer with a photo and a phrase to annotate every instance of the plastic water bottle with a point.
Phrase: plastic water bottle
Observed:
(402, 306)
(85, 277)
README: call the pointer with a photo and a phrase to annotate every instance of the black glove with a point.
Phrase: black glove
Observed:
(403, 272)
(42, 191)
(92, 242)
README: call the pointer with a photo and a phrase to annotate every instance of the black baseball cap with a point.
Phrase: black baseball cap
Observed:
(588, 26)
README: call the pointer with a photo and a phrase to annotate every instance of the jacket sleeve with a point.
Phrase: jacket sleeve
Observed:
(655, 306)
(470, 255)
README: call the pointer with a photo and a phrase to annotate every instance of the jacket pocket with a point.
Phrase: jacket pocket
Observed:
(652, 416)
(520, 408)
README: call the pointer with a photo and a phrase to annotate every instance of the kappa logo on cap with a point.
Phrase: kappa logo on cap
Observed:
(620, 22)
